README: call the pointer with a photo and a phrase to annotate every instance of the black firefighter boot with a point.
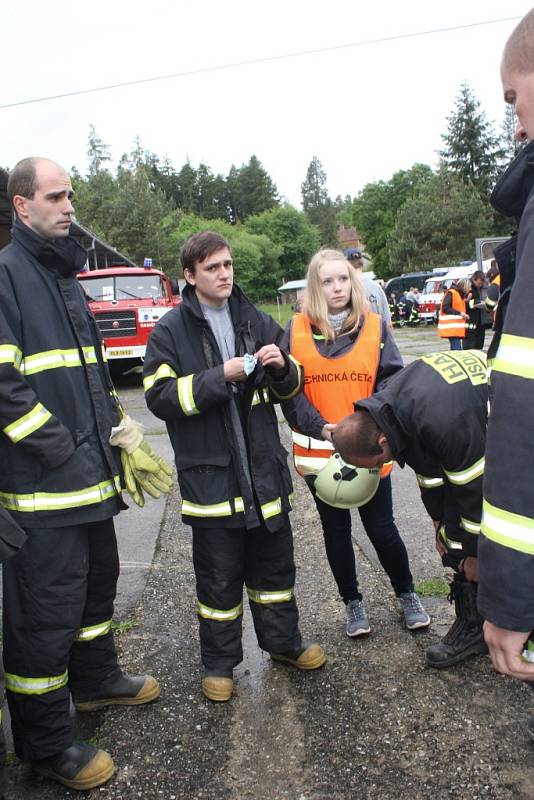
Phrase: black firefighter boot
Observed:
(465, 638)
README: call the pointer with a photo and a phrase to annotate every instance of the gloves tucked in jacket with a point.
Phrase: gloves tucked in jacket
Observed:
(143, 469)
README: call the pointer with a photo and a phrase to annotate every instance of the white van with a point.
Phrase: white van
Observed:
(435, 288)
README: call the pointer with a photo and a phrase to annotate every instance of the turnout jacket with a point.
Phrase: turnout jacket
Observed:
(434, 415)
(506, 595)
(56, 404)
(185, 386)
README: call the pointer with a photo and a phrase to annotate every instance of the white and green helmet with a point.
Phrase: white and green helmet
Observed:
(344, 486)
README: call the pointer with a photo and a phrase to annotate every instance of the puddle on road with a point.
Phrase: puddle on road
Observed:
(267, 737)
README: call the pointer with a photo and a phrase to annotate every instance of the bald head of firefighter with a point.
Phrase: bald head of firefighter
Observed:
(41, 194)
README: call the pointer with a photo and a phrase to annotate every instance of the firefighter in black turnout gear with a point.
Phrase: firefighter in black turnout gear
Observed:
(432, 415)
(60, 480)
(213, 372)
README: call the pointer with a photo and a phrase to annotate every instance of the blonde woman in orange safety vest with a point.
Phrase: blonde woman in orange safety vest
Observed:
(346, 352)
(453, 316)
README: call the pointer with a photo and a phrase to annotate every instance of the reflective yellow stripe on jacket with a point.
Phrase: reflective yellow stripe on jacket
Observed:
(185, 396)
(54, 359)
(508, 529)
(296, 390)
(56, 501)
(515, 356)
(10, 354)
(163, 371)
(223, 509)
(27, 424)
(48, 359)
(20, 685)
(258, 394)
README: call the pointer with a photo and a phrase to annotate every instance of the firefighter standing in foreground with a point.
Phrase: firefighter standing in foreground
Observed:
(60, 479)
(213, 372)
(506, 597)
(432, 416)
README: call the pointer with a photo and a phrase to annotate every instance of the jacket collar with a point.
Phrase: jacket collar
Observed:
(64, 256)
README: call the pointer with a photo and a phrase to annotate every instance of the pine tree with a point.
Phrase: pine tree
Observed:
(472, 148)
(317, 204)
(97, 152)
(250, 190)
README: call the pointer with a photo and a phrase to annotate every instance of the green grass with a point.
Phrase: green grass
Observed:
(435, 587)
(124, 626)
(282, 313)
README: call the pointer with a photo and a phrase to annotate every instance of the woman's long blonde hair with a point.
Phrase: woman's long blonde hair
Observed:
(315, 306)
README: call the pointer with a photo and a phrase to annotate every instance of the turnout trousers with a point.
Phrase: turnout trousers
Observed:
(58, 604)
(225, 560)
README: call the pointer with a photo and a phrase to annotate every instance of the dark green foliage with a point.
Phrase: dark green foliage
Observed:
(317, 205)
(438, 224)
(375, 212)
(291, 232)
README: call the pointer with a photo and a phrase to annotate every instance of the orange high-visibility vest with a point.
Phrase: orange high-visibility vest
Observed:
(450, 325)
(333, 385)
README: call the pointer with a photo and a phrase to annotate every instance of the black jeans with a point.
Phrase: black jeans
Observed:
(379, 524)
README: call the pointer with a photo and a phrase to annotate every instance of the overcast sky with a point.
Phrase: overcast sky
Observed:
(364, 110)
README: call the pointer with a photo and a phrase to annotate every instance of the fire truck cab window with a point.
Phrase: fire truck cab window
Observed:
(137, 286)
(123, 287)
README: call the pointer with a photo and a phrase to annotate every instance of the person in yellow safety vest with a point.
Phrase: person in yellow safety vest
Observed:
(453, 316)
(346, 351)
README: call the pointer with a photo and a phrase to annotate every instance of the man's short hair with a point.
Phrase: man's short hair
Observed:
(23, 179)
(200, 246)
(358, 435)
(518, 55)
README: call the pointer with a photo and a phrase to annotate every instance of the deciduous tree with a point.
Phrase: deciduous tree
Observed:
(438, 225)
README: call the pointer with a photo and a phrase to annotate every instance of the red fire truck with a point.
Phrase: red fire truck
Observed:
(127, 302)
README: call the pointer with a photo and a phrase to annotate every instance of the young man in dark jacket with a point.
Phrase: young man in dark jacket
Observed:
(432, 416)
(60, 480)
(213, 371)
